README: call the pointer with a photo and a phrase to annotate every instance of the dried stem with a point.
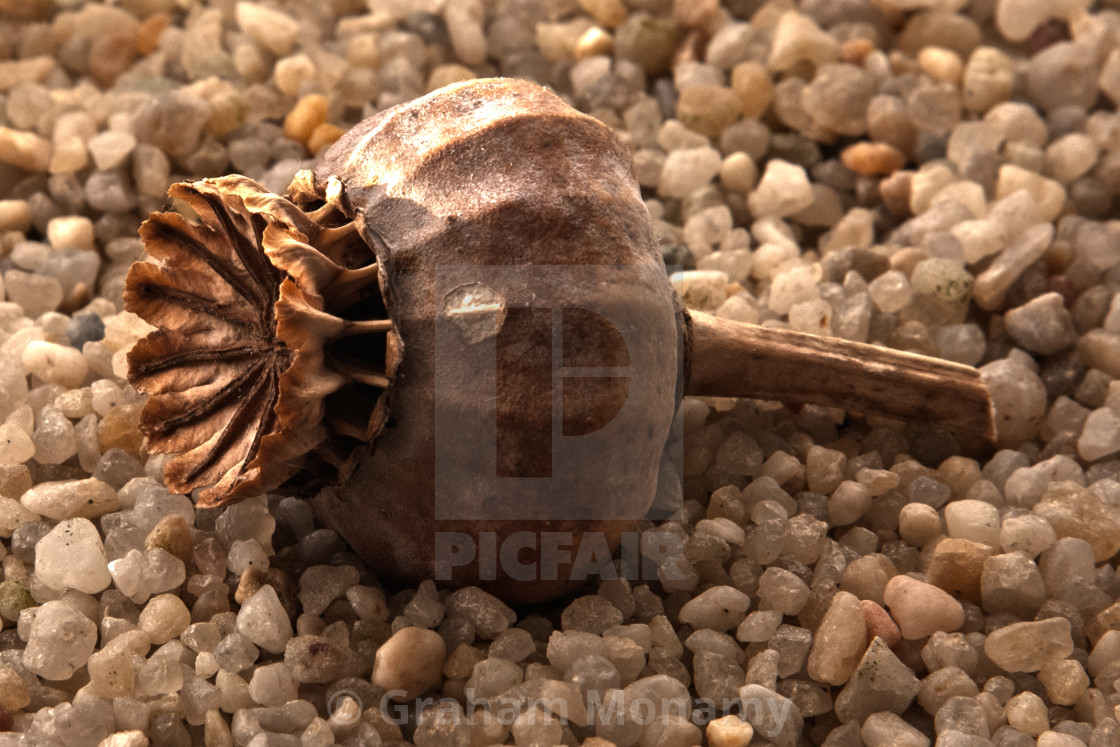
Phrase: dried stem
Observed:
(744, 360)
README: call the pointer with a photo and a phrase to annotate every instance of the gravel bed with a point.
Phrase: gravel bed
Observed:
(937, 176)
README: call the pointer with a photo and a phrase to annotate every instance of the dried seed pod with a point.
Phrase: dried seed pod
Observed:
(407, 314)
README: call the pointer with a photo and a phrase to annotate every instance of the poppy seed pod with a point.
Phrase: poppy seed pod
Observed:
(456, 337)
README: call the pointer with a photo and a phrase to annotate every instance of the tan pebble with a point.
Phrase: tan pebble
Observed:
(594, 41)
(149, 31)
(410, 663)
(171, 534)
(24, 149)
(308, 113)
(112, 54)
(855, 51)
(755, 87)
(444, 75)
(956, 565)
(870, 159)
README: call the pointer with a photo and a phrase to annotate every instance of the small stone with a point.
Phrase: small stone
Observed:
(1012, 583)
(263, 621)
(794, 286)
(839, 641)
(71, 498)
(708, 109)
(886, 729)
(838, 97)
(956, 565)
(308, 113)
(173, 535)
(272, 29)
(590, 614)
(891, 291)
(729, 731)
(273, 685)
(755, 87)
(163, 618)
(1028, 534)
(687, 170)
(1042, 325)
(879, 624)
(973, 520)
(881, 683)
(16, 447)
(1019, 397)
(71, 556)
(53, 437)
(1100, 436)
(700, 289)
(488, 614)
(1075, 511)
(1027, 713)
(1026, 646)
(71, 232)
(410, 663)
(782, 590)
(111, 149)
(783, 190)
(798, 38)
(24, 149)
(321, 584)
(918, 523)
(921, 609)
(1065, 680)
(1049, 195)
(719, 608)
(773, 716)
(55, 364)
(61, 640)
(1063, 74)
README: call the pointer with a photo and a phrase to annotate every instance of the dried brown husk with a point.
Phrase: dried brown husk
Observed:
(238, 369)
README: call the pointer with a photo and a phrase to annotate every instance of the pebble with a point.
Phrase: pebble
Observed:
(1042, 325)
(886, 729)
(798, 38)
(718, 608)
(872, 158)
(1075, 511)
(26, 150)
(686, 170)
(921, 609)
(839, 642)
(272, 29)
(1100, 436)
(410, 663)
(1019, 397)
(729, 731)
(881, 683)
(67, 499)
(60, 640)
(1025, 646)
(783, 190)
(164, 618)
(263, 620)
(71, 556)
(55, 364)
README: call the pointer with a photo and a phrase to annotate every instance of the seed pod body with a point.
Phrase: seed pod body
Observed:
(500, 216)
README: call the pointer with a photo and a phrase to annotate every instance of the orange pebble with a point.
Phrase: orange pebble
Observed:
(870, 158)
(323, 137)
(308, 113)
(880, 624)
(147, 34)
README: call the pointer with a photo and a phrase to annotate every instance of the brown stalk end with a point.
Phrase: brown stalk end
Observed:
(250, 303)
